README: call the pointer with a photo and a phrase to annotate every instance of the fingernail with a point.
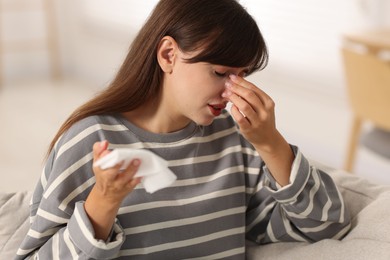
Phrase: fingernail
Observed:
(228, 84)
(102, 143)
(233, 77)
(226, 93)
(136, 162)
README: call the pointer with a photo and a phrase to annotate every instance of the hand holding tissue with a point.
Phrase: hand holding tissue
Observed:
(154, 169)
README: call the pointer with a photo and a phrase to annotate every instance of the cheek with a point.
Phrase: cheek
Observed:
(198, 83)
(216, 86)
(210, 84)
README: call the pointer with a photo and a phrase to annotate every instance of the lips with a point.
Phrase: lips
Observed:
(216, 109)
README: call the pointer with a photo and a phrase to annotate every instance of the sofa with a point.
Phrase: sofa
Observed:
(369, 237)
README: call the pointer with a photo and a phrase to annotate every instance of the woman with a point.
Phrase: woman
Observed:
(236, 179)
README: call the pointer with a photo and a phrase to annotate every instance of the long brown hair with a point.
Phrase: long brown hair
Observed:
(221, 30)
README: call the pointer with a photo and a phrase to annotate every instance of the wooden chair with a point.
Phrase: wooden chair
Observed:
(368, 83)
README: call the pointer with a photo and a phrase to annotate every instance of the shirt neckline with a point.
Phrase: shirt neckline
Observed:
(147, 136)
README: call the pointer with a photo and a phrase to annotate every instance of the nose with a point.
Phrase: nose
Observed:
(225, 95)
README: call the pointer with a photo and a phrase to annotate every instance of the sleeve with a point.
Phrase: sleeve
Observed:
(309, 209)
(60, 227)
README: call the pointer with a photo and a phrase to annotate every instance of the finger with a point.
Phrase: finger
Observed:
(264, 97)
(241, 120)
(98, 156)
(242, 82)
(243, 106)
(113, 172)
(133, 183)
(247, 94)
(131, 170)
(98, 148)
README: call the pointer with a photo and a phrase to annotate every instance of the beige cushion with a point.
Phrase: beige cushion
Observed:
(369, 237)
(14, 222)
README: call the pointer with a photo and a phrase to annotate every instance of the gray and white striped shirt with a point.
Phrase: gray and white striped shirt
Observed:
(224, 195)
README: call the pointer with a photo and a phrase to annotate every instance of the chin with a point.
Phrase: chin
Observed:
(204, 121)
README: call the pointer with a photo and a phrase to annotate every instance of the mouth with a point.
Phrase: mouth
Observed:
(216, 109)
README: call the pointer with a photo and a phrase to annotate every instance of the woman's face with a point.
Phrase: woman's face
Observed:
(193, 91)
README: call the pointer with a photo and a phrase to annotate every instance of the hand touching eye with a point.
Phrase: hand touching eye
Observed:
(253, 111)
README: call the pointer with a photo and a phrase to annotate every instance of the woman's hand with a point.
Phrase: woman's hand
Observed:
(113, 183)
(106, 196)
(254, 112)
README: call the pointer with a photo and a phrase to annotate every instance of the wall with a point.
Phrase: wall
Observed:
(304, 76)
(303, 37)
(26, 25)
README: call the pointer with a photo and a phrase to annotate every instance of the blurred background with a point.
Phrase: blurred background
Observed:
(55, 54)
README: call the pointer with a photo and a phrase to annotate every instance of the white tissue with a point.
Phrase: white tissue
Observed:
(154, 169)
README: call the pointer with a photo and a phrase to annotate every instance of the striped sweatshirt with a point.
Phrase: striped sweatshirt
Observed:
(223, 195)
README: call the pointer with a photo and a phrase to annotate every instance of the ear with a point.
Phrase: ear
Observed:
(166, 53)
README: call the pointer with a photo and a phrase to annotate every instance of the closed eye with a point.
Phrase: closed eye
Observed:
(220, 74)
